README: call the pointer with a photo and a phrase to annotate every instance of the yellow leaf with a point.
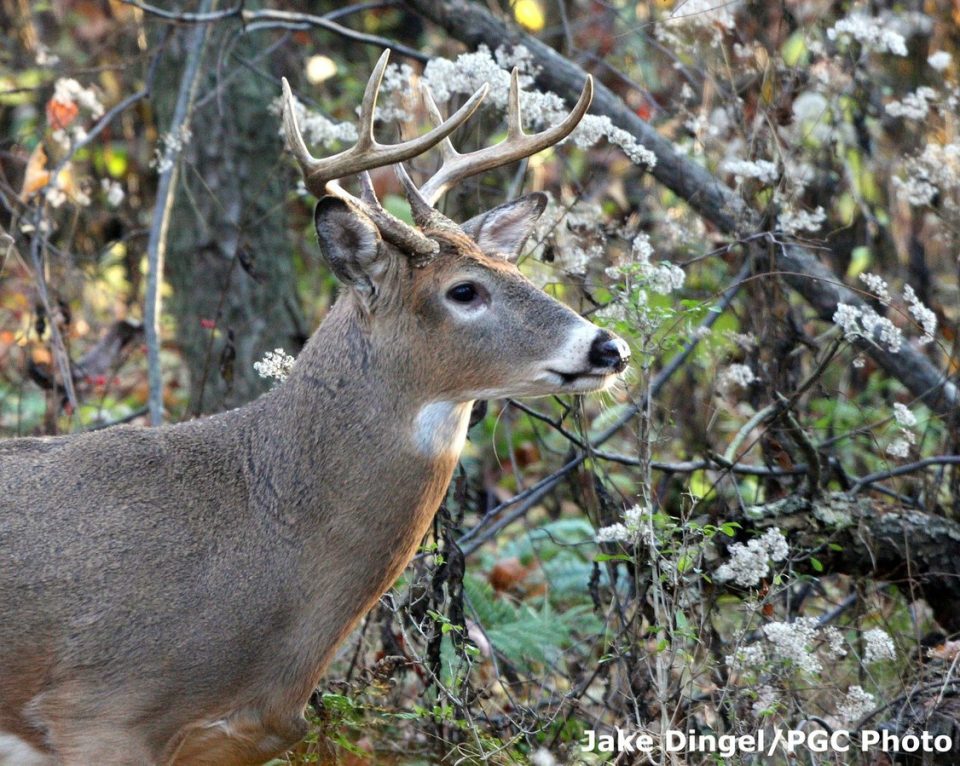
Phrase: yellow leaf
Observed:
(529, 15)
(36, 175)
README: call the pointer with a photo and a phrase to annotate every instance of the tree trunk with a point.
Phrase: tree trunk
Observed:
(229, 258)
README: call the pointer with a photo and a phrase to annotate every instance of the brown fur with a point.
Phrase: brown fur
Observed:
(173, 595)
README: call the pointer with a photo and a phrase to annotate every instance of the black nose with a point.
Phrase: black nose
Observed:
(608, 351)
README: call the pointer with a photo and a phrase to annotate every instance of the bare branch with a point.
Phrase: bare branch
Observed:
(157, 243)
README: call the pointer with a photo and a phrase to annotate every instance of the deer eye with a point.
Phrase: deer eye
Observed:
(465, 292)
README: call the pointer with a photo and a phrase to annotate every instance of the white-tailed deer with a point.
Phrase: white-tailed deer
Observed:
(173, 595)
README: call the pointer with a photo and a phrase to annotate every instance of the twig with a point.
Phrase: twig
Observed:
(157, 243)
(900, 470)
(138, 413)
(473, 539)
(273, 19)
(730, 453)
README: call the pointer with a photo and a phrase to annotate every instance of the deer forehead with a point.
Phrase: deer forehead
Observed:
(466, 264)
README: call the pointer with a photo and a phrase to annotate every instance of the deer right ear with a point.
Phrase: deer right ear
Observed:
(351, 244)
(503, 230)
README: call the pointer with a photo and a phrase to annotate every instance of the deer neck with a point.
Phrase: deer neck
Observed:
(354, 462)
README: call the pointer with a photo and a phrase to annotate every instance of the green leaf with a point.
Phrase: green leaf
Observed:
(601, 557)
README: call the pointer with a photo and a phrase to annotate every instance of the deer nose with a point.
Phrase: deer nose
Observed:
(609, 351)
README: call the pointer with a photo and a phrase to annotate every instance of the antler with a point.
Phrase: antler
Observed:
(320, 174)
(515, 146)
(367, 153)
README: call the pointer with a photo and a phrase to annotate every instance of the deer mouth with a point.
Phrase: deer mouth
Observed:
(586, 380)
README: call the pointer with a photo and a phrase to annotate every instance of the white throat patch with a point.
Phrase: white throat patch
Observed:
(17, 752)
(440, 428)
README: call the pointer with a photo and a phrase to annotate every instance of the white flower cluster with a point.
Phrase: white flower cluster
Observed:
(936, 169)
(813, 116)
(855, 705)
(55, 196)
(878, 286)
(906, 420)
(637, 524)
(113, 190)
(395, 86)
(924, 316)
(169, 146)
(68, 91)
(791, 222)
(735, 376)
(790, 641)
(879, 646)
(593, 128)
(940, 60)
(917, 190)
(576, 232)
(748, 657)
(44, 57)
(275, 364)
(763, 170)
(835, 642)
(315, 128)
(899, 448)
(903, 416)
(857, 322)
(864, 322)
(750, 563)
(913, 106)
(873, 34)
(542, 757)
(471, 70)
(662, 278)
(705, 13)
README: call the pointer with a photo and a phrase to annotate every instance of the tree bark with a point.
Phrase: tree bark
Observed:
(229, 258)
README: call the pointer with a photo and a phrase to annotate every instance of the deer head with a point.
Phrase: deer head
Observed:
(447, 299)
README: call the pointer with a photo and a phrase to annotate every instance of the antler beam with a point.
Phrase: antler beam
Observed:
(517, 145)
(367, 153)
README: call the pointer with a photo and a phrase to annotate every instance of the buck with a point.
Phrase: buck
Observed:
(172, 595)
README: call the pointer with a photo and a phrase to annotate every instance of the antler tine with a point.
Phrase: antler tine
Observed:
(368, 106)
(391, 228)
(446, 146)
(367, 194)
(422, 211)
(514, 120)
(515, 146)
(291, 129)
(367, 153)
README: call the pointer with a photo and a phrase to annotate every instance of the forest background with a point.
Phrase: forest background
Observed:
(759, 529)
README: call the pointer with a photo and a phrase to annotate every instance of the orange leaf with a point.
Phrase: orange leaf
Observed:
(507, 574)
(36, 175)
(61, 113)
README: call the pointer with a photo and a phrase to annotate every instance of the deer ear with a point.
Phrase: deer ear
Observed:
(351, 244)
(503, 230)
